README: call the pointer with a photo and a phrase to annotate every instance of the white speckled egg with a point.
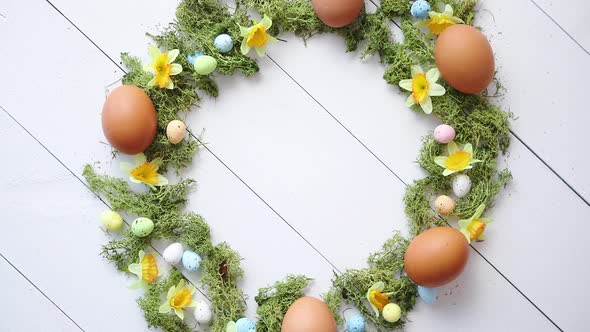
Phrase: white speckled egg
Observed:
(173, 253)
(356, 324)
(444, 134)
(444, 205)
(203, 313)
(111, 220)
(392, 312)
(142, 227)
(175, 131)
(191, 260)
(461, 185)
(223, 43)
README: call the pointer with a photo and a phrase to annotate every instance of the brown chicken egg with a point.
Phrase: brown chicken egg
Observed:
(465, 58)
(308, 314)
(129, 119)
(337, 13)
(436, 256)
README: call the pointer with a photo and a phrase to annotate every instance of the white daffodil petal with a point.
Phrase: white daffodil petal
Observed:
(139, 159)
(416, 70)
(134, 180)
(406, 84)
(463, 223)
(175, 69)
(243, 31)
(440, 161)
(260, 50)
(152, 82)
(452, 147)
(162, 181)
(266, 22)
(426, 105)
(479, 211)
(153, 51)
(410, 101)
(464, 231)
(448, 10)
(447, 172)
(170, 85)
(244, 48)
(148, 67)
(172, 55)
(468, 148)
(126, 167)
(437, 90)
(432, 75)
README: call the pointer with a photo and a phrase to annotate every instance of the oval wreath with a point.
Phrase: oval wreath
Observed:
(207, 37)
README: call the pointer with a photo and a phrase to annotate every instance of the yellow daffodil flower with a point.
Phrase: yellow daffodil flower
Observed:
(474, 227)
(377, 298)
(438, 22)
(146, 270)
(162, 67)
(257, 37)
(144, 171)
(422, 87)
(178, 298)
(457, 158)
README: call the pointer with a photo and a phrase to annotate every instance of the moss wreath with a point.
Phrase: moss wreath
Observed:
(197, 23)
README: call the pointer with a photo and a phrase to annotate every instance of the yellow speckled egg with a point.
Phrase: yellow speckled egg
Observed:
(392, 312)
(444, 205)
(111, 220)
(175, 131)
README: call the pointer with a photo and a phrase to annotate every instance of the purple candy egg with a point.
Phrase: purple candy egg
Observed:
(444, 134)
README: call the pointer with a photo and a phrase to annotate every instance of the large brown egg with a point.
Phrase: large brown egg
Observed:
(129, 119)
(436, 257)
(308, 314)
(465, 58)
(337, 13)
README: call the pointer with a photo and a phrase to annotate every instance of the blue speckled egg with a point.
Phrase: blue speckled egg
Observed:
(420, 9)
(192, 57)
(356, 324)
(191, 260)
(427, 295)
(223, 43)
(245, 325)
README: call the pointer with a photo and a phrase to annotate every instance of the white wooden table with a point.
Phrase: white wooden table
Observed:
(301, 159)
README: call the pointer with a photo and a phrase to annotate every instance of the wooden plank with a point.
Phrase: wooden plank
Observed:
(283, 134)
(22, 302)
(572, 16)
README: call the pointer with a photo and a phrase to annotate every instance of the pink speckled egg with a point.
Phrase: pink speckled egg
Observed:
(444, 134)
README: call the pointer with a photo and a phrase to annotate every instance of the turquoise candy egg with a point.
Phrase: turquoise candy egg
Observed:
(420, 9)
(427, 295)
(191, 260)
(192, 57)
(356, 324)
(142, 227)
(223, 43)
(205, 65)
(245, 325)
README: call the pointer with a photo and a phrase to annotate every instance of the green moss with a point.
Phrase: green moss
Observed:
(395, 8)
(154, 297)
(273, 302)
(333, 299)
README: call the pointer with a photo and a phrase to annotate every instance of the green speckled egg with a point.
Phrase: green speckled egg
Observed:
(111, 220)
(205, 65)
(142, 227)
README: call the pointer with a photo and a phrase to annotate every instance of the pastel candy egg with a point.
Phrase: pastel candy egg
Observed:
(203, 313)
(175, 131)
(461, 185)
(444, 205)
(223, 43)
(245, 325)
(356, 324)
(392, 312)
(420, 9)
(142, 227)
(173, 253)
(427, 295)
(111, 220)
(192, 57)
(191, 260)
(205, 65)
(444, 134)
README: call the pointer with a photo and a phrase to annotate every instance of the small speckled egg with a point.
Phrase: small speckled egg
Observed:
(461, 185)
(205, 65)
(444, 205)
(173, 253)
(356, 324)
(175, 131)
(111, 220)
(142, 227)
(223, 43)
(444, 134)
(427, 295)
(392, 312)
(420, 9)
(245, 325)
(203, 313)
(191, 260)
(192, 57)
